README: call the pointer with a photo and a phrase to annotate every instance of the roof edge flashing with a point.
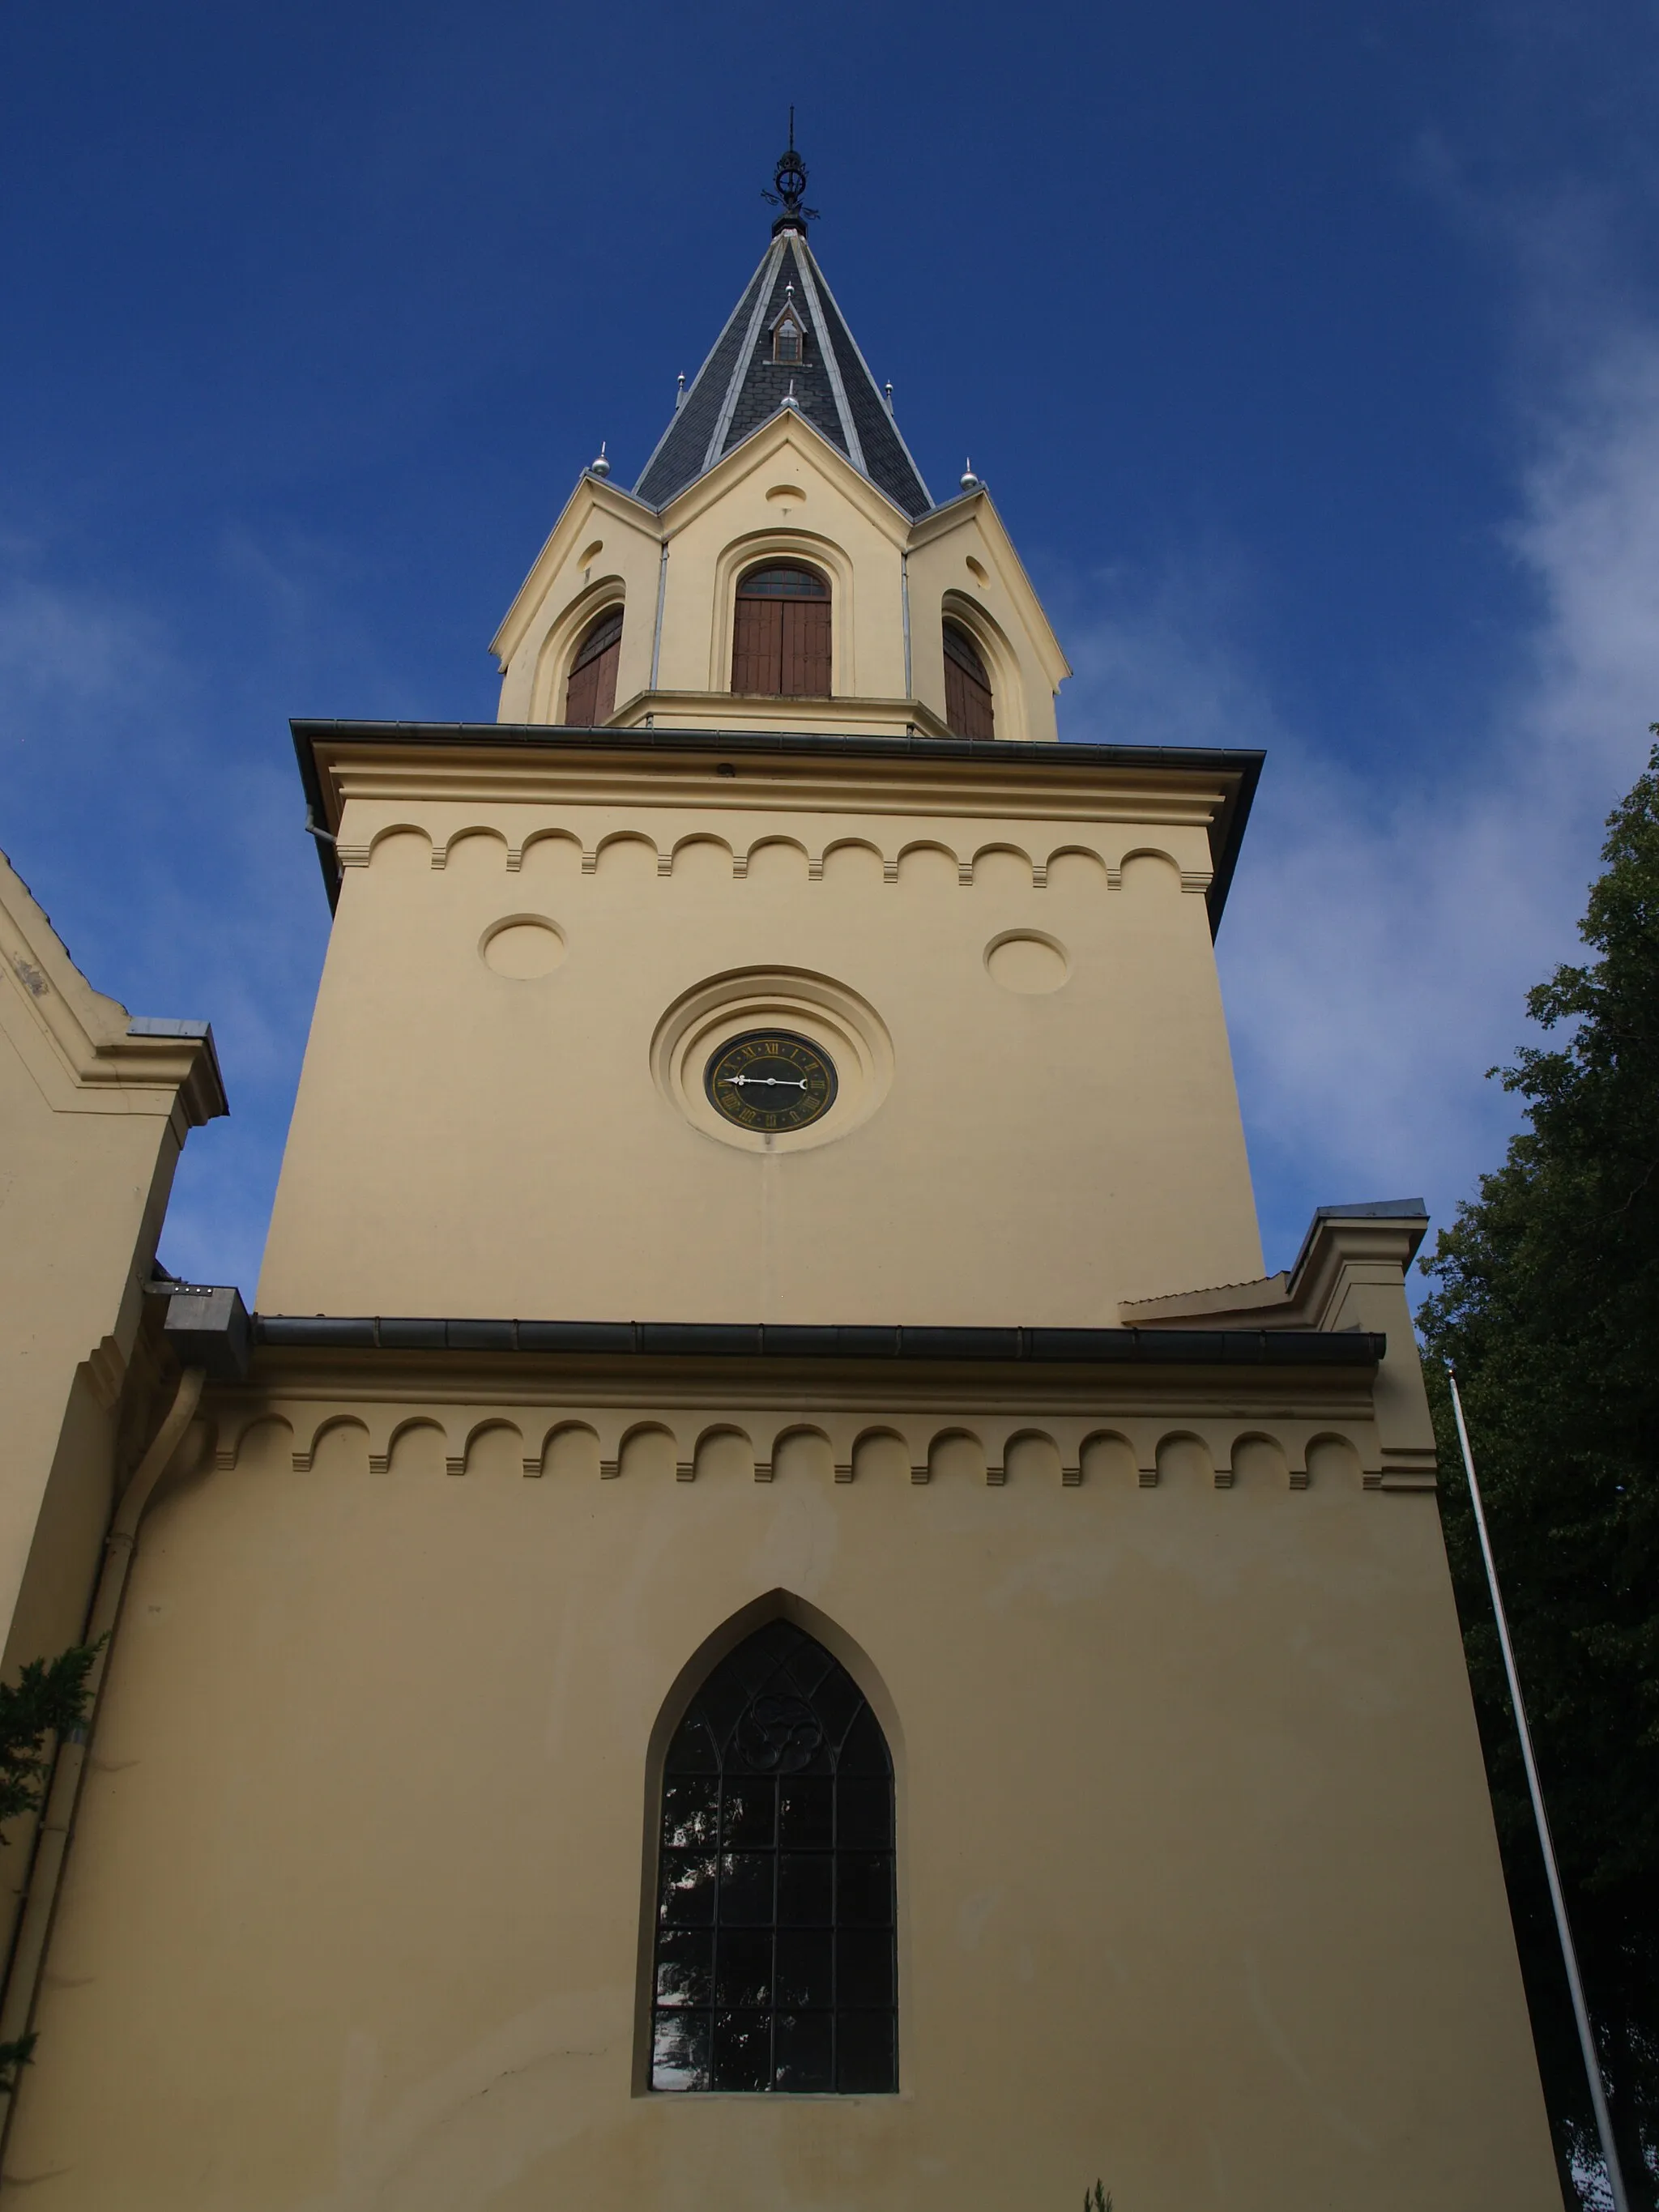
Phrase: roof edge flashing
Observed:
(1001, 1346)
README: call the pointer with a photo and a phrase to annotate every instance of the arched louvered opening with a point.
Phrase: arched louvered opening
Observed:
(780, 633)
(968, 709)
(590, 691)
(775, 1959)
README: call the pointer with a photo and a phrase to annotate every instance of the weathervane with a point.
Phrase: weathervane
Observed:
(790, 180)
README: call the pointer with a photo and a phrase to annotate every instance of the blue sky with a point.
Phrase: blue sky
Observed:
(1311, 354)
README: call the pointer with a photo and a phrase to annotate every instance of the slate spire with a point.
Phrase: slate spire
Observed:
(752, 363)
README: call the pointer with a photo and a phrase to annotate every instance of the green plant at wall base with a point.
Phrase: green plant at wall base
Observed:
(48, 1700)
(1096, 2199)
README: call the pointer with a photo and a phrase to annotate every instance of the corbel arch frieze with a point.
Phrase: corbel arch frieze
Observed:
(576, 1434)
(1204, 1452)
(305, 1455)
(564, 632)
(801, 1443)
(618, 841)
(393, 843)
(1078, 868)
(723, 1449)
(702, 849)
(492, 1424)
(562, 845)
(816, 551)
(775, 841)
(985, 865)
(480, 835)
(236, 1431)
(1189, 877)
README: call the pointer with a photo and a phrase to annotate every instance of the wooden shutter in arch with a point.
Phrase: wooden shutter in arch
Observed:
(590, 694)
(758, 646)
(805, 649)
(780, 635)
(968, 709)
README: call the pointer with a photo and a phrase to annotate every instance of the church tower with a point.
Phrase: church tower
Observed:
(754, 1631)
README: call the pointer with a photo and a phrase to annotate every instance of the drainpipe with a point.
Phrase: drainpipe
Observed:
(904, 601)
(656, 634)
(58, 1822)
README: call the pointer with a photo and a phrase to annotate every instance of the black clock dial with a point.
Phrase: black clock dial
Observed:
(770, 1080)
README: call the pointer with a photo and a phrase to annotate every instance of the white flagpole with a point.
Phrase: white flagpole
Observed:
(1569, 1956)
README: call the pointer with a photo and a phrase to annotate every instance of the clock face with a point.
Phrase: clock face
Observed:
(770, 1080)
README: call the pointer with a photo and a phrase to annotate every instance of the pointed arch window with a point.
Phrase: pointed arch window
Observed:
(780, 633)
(968, 709)
(775, 1952)
(590, 691)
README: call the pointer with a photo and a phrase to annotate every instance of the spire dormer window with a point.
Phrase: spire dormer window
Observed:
(789, 332)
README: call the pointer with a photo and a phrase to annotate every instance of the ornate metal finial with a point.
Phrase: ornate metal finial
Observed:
(970, 481)
(679, 392)
(790, 183)
(789, 398)
(601, 466)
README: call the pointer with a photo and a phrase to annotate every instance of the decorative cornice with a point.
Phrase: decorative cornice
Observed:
(108, 1062)
(781, 770)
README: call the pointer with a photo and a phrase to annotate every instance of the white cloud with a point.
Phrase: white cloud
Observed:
(1384, 929)
(139, 798)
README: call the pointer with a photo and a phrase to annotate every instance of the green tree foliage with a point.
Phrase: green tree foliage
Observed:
(47, 1702)
(1548, 1304)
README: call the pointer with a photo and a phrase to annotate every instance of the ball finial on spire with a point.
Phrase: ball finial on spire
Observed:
(970, 481)
(599, 466)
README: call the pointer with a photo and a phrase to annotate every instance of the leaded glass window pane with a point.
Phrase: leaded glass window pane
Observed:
(776, 1964)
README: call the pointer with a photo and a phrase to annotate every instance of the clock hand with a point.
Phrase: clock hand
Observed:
(771, 1082)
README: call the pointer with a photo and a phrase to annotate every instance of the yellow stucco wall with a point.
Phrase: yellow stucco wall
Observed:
(467, 1142)
(1198, 1888)
(92, 1120)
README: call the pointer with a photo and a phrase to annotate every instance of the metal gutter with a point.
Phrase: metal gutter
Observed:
(648, 1340)
(1226, 834)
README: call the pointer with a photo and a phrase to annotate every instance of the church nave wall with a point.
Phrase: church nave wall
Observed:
(376, 1762)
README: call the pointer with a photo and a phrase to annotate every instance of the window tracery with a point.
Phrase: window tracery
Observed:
(775, 1951)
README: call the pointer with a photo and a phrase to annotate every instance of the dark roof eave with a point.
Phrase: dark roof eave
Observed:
(1226, 834)
(635, 1340)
